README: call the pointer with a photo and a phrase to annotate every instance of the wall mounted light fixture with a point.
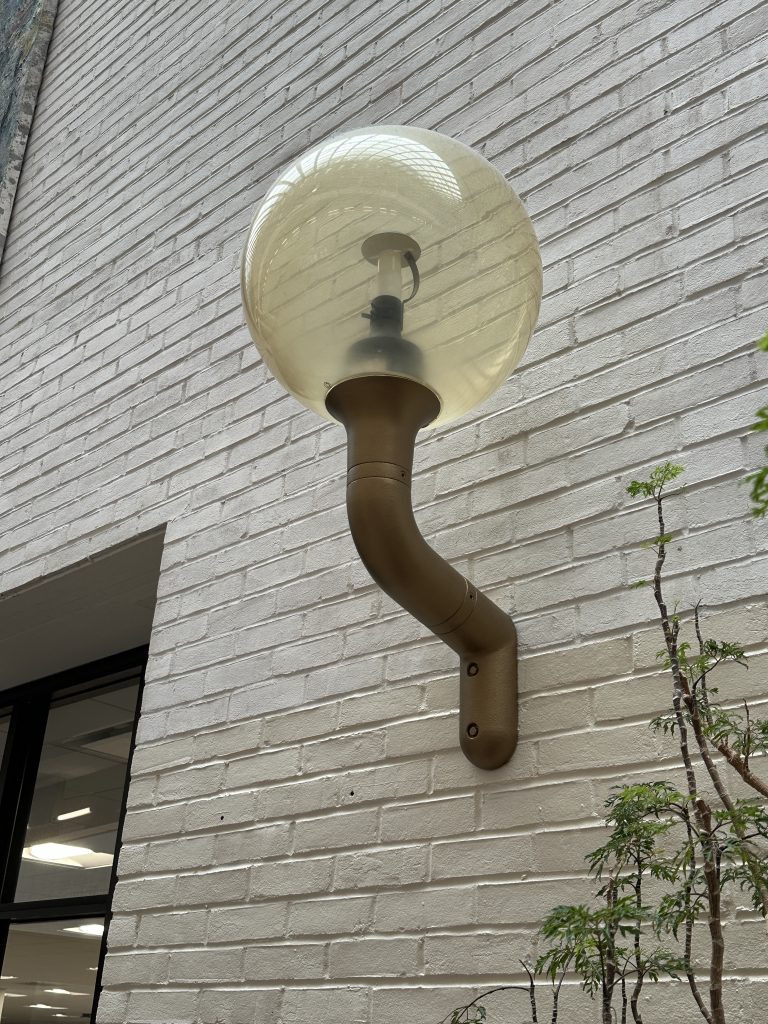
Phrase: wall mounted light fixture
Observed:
(425, 239)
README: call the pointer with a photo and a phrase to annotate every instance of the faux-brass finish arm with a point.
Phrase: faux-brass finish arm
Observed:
(382, 416)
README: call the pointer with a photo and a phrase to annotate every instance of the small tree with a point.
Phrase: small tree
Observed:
(637, 819)
(715, 844)
(474, 1012)
(721, 844)
(693, 846)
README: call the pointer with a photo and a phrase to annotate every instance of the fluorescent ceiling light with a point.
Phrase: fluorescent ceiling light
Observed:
(45, 1006)
(64, 992)
(55, 852)
(7, 977)
(63, 853)
(13, 995)
(86, 929)
(73, 814)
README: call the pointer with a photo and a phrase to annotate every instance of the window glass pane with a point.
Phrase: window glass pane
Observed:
(49, 971)
(3, 734)
(72, 831)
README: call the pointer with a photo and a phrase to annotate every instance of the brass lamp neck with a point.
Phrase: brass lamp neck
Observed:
(382, 416)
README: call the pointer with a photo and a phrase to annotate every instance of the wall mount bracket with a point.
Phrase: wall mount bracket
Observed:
(382, 416)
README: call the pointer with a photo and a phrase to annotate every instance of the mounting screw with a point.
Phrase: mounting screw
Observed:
(472, 730)
(472, 668)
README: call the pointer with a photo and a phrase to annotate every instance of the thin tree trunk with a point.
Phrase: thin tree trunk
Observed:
(607, 999)
(701, 808)
(556, 1000)
(531, 992)
(609, 974)
(636, 1015)
(670, 639)
(692, 983)
(717, 943)
(714, 922)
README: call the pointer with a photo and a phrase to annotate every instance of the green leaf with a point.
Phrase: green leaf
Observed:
(665, 724)
(656, 542)
(659, 478)
(761, 423)
(759, 479)
(759, 490)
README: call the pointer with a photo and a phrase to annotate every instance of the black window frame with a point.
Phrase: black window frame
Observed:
(28, 706)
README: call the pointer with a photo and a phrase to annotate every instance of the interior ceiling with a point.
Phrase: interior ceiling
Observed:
(84, 734)
(82, 766)
(95, 609)
(42, 956)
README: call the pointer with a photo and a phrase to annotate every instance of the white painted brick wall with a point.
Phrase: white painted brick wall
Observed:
(304, 840)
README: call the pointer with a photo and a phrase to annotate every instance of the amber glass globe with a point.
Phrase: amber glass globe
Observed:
(364, 215)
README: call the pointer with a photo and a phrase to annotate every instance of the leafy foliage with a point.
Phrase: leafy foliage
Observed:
(471, 1014)
(720, 842)
(585, 938)
(656, 482)
(737, 730)
(639, 819)
(611, 945)
(692, 846)
(759, 479)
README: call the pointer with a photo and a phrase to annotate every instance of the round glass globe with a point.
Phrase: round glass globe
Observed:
(346, 222)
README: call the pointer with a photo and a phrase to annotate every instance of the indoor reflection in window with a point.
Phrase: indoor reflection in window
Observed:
(70, 842)
(49, 971)
(3, 736)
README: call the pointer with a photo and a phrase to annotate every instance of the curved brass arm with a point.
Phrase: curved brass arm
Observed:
(382, 416)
